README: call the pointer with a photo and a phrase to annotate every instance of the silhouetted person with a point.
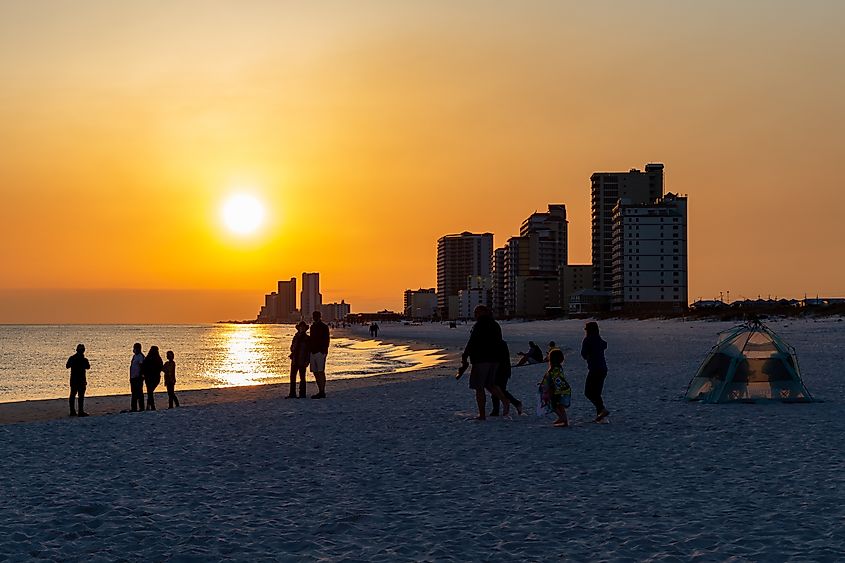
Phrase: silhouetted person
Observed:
(483, 351)
(318, 345)
(374, 330)
(533, 356)
(169, 369)
(78, 364)
(503, 374)
(299, 356)
(136, 378)
(592, 350)
(152, 368)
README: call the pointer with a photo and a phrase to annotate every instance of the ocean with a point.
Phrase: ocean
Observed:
(32, 357)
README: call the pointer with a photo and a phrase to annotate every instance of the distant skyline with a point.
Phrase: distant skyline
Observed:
(368, 131)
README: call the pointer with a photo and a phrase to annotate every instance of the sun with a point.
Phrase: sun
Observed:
(242, 214)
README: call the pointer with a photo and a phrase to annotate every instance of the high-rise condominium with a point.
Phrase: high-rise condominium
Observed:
(310, 297)
(286, 300)
(607, 188)
(650, 254)
(459, 258)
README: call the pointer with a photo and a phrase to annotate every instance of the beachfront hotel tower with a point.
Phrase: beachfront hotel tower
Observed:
(286, 300)
(650, 254)
(460, 258)
(526, 271)
(607, 188)
(310, 297)
(420, 304)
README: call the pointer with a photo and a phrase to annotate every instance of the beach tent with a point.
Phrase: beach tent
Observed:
(750, 363)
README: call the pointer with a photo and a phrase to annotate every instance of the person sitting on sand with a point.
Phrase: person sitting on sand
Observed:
(318, 345)
(78, 364)
(169, 369)
(152, 368)
(300, 357)
(533, 356)
(483, 350)
(503, 374)
(592, 350)
(136, 378)
(555, 391)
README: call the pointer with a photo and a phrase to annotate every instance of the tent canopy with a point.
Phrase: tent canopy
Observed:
(750, 363)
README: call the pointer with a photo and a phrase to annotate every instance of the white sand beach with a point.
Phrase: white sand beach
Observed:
(391, 469)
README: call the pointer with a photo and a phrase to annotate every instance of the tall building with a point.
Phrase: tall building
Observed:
(547, 240)
(420, 303)
(286, 301)
(310, 298)
(516, 265)
(267, 314)
(607, 188)
(459, 258)
(531, 265)
(650, 254)
(497, 283)
(335, 311)
(476, 293)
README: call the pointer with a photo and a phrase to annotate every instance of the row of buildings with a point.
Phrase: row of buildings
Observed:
(639, 258)
(280, 306)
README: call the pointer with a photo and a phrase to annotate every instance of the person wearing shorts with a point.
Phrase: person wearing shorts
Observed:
(318, 345)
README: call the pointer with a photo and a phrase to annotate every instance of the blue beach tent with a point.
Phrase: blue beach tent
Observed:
(750, 363)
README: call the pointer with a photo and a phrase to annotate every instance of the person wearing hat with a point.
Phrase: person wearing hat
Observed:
(300, 357)
(78, 364)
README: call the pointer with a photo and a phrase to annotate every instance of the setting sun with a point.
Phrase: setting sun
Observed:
(242, 214)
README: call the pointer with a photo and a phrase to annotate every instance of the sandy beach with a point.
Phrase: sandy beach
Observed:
(392, 469)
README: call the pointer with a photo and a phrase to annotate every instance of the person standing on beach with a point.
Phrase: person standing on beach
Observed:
(592, 350)
(483, 350)
(169, 369)
(503, 374)
(136, 378)
(78, 364)
(152, 368)
(318, 345)
(300, 357)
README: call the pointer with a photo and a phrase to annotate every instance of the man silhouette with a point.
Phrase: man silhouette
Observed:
(78, 364)
(318, 344)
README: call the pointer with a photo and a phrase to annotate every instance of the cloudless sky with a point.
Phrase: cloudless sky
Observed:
(369, 129)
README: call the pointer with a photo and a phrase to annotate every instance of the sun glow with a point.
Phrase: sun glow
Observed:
(242, 214)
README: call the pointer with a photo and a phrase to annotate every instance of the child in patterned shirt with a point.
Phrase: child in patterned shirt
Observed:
(555, 392)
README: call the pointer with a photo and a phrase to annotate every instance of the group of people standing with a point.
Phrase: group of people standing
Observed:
(147, 370)
(143, 370)
(309, 348)
(488, 353)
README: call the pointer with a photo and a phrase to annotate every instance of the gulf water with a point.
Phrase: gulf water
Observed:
(33, 357)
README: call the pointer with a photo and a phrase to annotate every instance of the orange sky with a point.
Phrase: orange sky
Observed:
(371, 129)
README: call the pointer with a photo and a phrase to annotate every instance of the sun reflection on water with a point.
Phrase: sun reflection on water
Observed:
(246, 357)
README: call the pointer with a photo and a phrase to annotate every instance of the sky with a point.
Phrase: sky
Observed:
(370, 129)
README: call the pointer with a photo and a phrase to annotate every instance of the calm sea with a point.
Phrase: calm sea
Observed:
(32, 358)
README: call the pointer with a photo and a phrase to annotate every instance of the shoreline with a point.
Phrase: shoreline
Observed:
(40, 410)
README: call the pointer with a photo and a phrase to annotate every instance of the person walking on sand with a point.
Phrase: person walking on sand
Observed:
(169, 369)
(592, 350)
(503, 374)
(78, 364)
(136, 378)
(483, 350)
(152, 368)
(300, 356)
(555, 392)
(318, 345)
